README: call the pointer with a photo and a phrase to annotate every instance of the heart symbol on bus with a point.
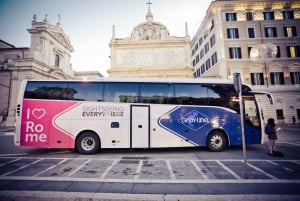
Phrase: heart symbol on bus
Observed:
(38, 113)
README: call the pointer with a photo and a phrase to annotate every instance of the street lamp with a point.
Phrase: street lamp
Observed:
(263, 53)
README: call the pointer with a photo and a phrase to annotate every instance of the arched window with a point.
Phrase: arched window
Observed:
(56, 61)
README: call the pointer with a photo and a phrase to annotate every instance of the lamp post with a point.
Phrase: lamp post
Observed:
(263, 53)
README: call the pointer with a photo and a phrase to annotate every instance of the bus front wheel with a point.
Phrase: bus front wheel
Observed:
(216, 141)
(87, 143)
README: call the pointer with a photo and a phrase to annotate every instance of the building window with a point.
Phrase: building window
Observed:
(197, 58)
(207, 64)
(290, 31)
(214, 59)
(232, 33)
(251, 32)
(206, 47)
(212, 40)
(257, 78)
(270, 32)
(278, 55)
(269, 15)
(288, 15)
(249, 51)
(200, 41)
(56, 61)
(277, 78)
(249, 16)
(235, 53)
(202, 68)
(196, 47)
(201, 53)
(295, 77)
(230, 17)
(279, 113)
(293, 51)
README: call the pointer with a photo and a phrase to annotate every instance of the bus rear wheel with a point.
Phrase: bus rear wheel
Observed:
(216, 141)
(87, 143)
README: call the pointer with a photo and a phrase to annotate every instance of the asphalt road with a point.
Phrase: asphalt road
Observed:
(156, 174)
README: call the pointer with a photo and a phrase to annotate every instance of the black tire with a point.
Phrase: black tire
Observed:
(87, 143)
(216, 141)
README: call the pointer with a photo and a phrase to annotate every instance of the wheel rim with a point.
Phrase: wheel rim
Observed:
(216, 141)
(88, 143)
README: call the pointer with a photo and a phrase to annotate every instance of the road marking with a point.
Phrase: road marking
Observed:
(138, 170)
(172, 175)
(3, 155)
(261, 171)
(108, 169)
(199, 170)
(169, 165)
(8, 162)
(290, 143)
(192, 181)
(228, 170)
(79, 167)
(22, 167)
(49, 168)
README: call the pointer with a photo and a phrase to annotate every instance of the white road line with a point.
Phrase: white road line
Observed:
(290, 143)
(199, 170)
(11, 155)
(273, 163)
(79, 167)
(49, 168)
(193, 181)
(228, 170)
(172, 175)
(108, 169)
(8, 162)
(138, 170)
(297, 162)
(22, 167)
(261, 171)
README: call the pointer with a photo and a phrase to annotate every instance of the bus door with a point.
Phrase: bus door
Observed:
(252, 120)
(140, 126)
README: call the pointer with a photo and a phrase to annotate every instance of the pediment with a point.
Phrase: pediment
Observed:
(62, 38)
(294, 65)
(149, 31)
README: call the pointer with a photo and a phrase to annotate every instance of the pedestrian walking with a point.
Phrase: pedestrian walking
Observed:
(271, 131)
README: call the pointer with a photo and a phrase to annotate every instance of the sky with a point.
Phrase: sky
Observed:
(88, 23)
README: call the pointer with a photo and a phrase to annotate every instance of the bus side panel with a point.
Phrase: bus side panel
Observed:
(194, 123)
(110, 121)
(38, 128)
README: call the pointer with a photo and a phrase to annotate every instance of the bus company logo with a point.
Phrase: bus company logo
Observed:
(194, 120)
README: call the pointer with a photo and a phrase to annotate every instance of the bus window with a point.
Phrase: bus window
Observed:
(223, 96)
(251, 113)
(87, 91)
(121, 92)
(190, 94)
(156, 93)
(49, 90)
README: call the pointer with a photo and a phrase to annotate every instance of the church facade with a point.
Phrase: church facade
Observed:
(48, 57)
(150, 51)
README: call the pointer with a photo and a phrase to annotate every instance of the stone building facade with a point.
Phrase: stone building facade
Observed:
(48, 57)
(229, 31)
(150, 52)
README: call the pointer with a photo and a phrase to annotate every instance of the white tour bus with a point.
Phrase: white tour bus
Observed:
(134, 113)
